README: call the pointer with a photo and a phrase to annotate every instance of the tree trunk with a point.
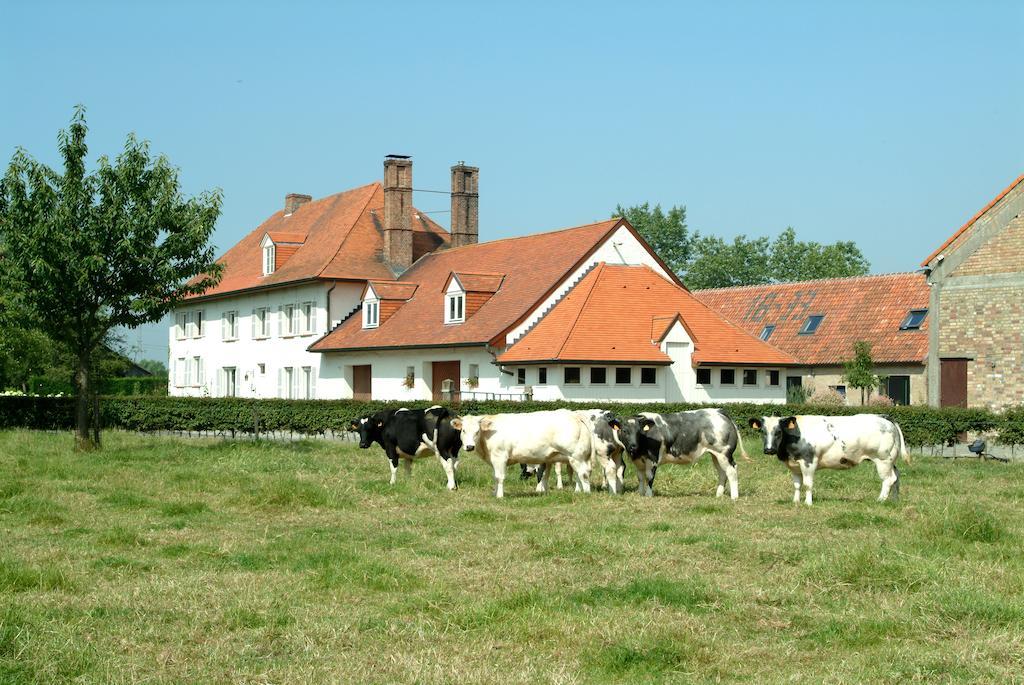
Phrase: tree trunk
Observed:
(84, 441)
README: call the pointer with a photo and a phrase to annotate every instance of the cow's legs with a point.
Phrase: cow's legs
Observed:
(558, 475)
(393, 462)
(807, 471)
(407, 467)
(798, 482)
(582, 473)
(620, 473)
(726, 472)
(611, 475)
(543, 477)
(449, 470)
(499, 464)
(890, 480)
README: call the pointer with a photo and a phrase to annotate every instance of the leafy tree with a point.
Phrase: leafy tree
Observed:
(795, 260)
(667, 233)
(718, 264)
(859, 372)
(92, 252)
(157, 368)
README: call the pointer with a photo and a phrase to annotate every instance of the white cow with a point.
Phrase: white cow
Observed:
(808, 443)
(540, 437)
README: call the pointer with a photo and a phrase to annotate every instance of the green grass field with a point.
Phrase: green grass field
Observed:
(188, 561)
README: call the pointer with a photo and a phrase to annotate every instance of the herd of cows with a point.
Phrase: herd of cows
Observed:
(598, 439)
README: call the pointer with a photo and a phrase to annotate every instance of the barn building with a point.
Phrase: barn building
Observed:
(818, 322)
(976, 352)
(360, 295)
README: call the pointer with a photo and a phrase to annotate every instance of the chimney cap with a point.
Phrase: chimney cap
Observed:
(397, 156)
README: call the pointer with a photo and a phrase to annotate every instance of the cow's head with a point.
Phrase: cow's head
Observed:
(473, 430)
(776, 433)
(369, 429)
(633, 431)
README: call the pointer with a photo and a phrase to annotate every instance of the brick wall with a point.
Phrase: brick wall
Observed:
(1002, 255)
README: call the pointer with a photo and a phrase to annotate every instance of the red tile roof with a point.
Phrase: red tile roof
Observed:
(478, 283)
(533, 266)
(341, 238)
(864, 308)
(393, 290)
(970, 222)
(619, 314)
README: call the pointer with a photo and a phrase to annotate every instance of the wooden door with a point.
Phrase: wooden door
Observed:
(442, 371)
(953, 385)
(362, 382)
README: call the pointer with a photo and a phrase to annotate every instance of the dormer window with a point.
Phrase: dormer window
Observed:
(811, 324)
(455, 310)
(269, 255)
(914, 320)
(371, 313)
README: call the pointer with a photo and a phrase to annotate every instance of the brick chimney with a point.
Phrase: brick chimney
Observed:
(465, 205)
(398, 212)
(293, 201)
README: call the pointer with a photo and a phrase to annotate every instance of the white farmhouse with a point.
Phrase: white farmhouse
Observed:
(358, 295)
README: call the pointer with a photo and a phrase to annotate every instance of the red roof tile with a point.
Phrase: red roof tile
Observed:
(393, 290)
(586, 326)
(534, 265)
(342, 239)
(285, 237)
(868, 308)
(478, 283)
(970, 222)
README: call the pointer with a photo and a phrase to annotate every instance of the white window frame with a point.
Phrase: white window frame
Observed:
(371, 313)
(229, 325)
(180, 325)
(261, 323)
(288, 319)
(455, 307)
(196, 367)
(308, 380)
(198, 322)
(308, 316)
(229, 389)
(269, 255)
(180, 372)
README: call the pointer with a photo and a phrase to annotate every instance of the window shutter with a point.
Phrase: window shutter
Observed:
(296, 382)
(225, 331)
(312, 318)
(280, 383)
(296, 312)
(201, 374)
(280, 319)
(188, 371)
(173, 375)
(217, 382)
(253, 324)
(312, 382)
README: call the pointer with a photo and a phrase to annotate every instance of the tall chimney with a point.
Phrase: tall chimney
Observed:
(465, 205)
(398, 212)
(293, 201)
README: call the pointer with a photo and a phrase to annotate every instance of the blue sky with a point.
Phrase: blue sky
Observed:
(885, 123)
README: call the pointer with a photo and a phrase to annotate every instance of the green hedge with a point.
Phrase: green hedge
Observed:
(921, 425)
(134, 385)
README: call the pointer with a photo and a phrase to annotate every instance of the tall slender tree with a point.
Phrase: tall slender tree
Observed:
(90, 252)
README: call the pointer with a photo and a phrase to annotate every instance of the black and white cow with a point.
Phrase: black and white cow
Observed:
(408, 434)
(807, 443)
(652, 439)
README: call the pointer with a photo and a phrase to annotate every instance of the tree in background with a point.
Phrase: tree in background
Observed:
(157, 368)
(666, 233)
(711, 262)
(859, 372)
(91, 252)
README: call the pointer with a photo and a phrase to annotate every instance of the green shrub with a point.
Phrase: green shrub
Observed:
(231, 415)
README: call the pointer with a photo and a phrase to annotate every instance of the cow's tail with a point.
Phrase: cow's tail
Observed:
(739, 441)
(904, 452)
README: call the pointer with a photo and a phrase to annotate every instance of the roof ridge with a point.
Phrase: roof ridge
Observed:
(529, 235)
(778, 284)
(576, 320)
(348, 234)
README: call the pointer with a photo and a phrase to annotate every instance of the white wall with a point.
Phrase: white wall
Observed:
(246, 353)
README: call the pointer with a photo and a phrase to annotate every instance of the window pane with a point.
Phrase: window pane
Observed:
(704, 376)
(572, 374)
(521, 376)
(598, 374)
(749, 376)
(812, 323)
(542, 375)
(766, 332)
(773, 377)
(648, 375)
(727, 377)
(624, 375)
